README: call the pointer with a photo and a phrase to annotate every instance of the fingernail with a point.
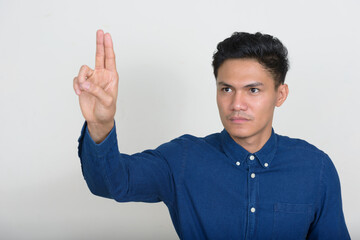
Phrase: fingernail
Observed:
(85, 85)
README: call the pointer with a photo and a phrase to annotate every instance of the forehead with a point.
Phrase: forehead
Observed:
(242, 72)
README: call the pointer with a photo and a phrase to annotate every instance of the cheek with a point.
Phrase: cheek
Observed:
(263, 107)
(222, 110)
(221, 103)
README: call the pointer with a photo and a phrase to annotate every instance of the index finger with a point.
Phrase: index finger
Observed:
(109, 53)
(100, 52)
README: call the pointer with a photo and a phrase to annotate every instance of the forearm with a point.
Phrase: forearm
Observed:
(94, 159)
(108, 173)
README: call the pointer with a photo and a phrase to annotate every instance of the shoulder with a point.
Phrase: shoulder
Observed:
(308, 154)
(212, 139)
(298, 145)
(299, 149)
(190, 141)
(177, 151)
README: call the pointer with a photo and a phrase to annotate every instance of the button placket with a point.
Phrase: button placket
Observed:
(253, 189)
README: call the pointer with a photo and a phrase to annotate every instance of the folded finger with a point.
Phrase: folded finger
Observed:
(104, 98)
(76, 86)
(84, 73)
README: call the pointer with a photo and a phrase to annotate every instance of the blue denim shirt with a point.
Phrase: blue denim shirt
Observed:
(215, 189)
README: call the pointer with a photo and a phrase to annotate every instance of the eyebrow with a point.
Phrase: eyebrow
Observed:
(251, 85)
(255, 84)
(224, 84)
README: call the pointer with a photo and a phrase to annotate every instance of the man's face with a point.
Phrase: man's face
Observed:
(246, 98)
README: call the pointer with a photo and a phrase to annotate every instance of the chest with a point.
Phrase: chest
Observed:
(246, 201)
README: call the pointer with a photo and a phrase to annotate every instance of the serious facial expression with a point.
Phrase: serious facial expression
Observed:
(246, 98)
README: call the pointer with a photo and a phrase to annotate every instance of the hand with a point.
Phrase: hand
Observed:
(97, 89)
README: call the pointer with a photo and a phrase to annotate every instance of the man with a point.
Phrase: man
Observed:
(246, 182)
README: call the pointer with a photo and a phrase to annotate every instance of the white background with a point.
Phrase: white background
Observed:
(164, 51)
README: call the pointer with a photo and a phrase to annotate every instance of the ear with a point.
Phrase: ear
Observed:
(282, 93)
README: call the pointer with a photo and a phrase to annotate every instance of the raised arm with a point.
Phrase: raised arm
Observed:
(140, 177)
(98, 88)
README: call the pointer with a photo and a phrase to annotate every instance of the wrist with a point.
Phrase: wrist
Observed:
(99, 131)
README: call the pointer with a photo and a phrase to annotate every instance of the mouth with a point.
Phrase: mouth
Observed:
(238, 119)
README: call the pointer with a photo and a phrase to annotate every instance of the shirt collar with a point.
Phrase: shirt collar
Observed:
(237, 153)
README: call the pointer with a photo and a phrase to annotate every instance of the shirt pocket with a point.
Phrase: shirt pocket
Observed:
(291, 221)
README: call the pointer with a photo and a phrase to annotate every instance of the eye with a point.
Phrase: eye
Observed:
(226, 89)
(254, 90)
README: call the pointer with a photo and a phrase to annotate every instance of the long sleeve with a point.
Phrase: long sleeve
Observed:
(329, 222)
(108, 173)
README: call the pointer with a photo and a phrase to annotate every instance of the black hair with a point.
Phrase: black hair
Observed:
(264, 48)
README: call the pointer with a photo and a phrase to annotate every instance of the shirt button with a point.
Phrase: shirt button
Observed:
(266, 164)
(238, 163)
(252, 209)
(253, 175)
(252, 157)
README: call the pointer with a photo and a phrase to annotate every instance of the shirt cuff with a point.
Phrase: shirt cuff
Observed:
(96, 149)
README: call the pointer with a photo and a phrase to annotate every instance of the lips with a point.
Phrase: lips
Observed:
(238, 119)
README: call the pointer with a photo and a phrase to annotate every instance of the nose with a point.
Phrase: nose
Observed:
(239, 102)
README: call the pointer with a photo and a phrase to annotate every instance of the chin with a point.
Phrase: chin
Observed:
(239, 132)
